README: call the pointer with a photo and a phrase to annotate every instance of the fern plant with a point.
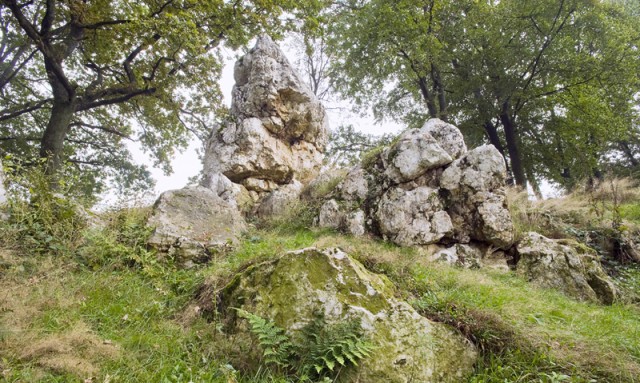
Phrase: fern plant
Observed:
(320, 352)
(277, 349)
(332, 347)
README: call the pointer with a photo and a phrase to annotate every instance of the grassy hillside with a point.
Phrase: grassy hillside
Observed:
(102, 308)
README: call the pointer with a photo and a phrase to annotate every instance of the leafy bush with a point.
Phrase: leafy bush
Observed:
(43, 217)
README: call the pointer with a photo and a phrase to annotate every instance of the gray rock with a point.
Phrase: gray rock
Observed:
(294, 288)
(191, 223)
(355, 223)
(414, 153)
(280, 201)
(475, 185)
(412, 217)
(355, 186)
(331, 215)
(448, 137)
(564, 265)
(276, 135)
(414, 193)
(267, 87)
(472, 256)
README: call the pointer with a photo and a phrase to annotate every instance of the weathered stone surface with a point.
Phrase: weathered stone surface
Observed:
(472, 256)
(280, 201)
(355, 223)
(331, 215)
(235, 194)
(276, 134)
(294, 288)
(3, 192)
(448, 137)
(191, 223)
(267, 87)
(412, 217)
(414, 192)
(415, 152)
(475, 186)
(355, 186)
(564, 265)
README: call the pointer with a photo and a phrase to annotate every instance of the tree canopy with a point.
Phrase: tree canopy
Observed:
(550, 83)
(80, 78)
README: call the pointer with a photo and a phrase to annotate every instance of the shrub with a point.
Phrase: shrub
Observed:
(43, 216)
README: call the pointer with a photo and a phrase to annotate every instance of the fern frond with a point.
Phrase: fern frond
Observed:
(275, 344)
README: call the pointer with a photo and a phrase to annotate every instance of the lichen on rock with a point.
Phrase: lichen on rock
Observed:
(293, 288)
(564, 265)
(191, 223)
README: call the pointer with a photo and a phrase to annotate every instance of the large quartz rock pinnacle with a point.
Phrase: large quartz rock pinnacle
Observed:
(425, 188)
(299, 286)
(277, 132)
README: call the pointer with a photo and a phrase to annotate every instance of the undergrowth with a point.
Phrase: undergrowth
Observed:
(104, 308)
(320, 354)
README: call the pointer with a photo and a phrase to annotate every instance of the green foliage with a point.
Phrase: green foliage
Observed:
(83, 78)
(122, 240)
(552, 84)
(321, 352)
(41, 220)
(331, 348)
(277, 349)
(347, 146)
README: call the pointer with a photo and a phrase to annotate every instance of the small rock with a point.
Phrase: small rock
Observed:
(412, 217)
(564, 265)
(414, 153)
(189, 223)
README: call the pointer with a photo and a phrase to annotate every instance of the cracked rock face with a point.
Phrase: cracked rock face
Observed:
(426, 188)
(564, 265)
(412, 217)
(192, 223)
(292, 289)
(277, 132)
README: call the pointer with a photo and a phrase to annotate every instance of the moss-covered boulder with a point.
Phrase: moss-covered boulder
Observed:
(295, 288)
(565, 265)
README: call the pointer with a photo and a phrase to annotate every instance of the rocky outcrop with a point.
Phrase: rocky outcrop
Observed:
(275, 138)
(426, 188)
(564, 265)
(297, 287)
(474, 186)
(193, 223)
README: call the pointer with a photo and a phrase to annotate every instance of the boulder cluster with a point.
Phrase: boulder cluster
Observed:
(425, 188)
(255, 163)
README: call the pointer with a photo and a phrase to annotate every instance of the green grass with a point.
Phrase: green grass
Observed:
(133, 319)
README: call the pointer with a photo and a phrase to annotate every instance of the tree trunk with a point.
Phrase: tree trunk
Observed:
(428, 97)
(52, 142)
(512, 147)
(438, 87)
